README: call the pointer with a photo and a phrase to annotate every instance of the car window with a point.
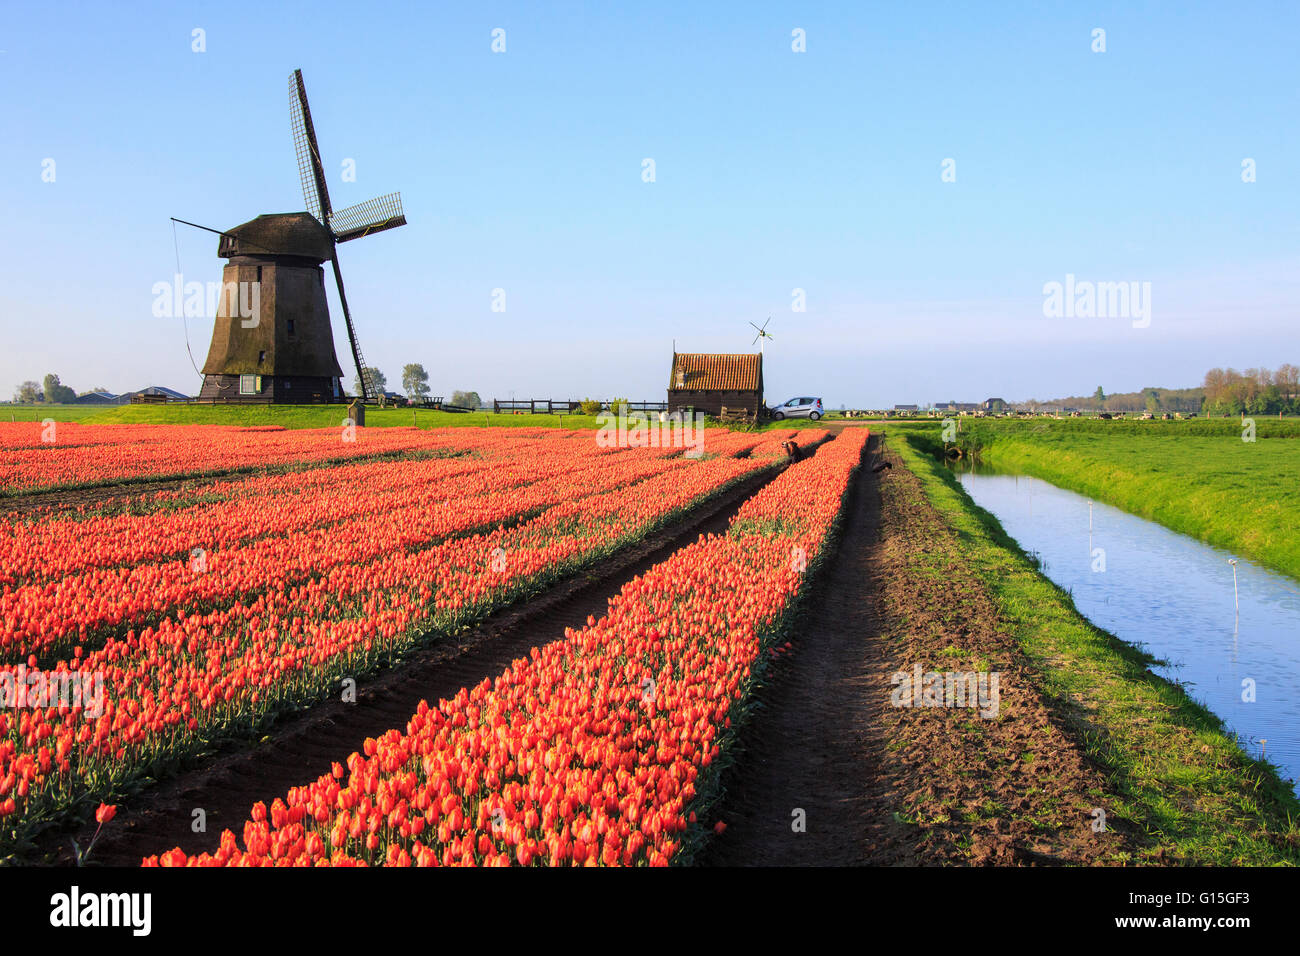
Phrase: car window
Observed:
(792, 402)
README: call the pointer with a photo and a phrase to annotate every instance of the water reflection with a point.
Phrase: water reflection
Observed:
(1174, 597)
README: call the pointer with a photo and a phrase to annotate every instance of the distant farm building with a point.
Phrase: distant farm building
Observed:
(154, 393)
(710, 382)
(99, 398)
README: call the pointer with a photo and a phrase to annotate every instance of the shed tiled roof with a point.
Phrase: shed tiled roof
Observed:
(707, 371)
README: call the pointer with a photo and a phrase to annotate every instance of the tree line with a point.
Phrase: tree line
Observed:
(1256, 391)
(50, 392)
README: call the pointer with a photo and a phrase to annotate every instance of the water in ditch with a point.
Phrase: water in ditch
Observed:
(1173, 596)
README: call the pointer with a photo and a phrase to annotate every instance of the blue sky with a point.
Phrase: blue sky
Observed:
(774, 171)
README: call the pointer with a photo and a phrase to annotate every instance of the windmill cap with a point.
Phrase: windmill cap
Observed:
(278, 234)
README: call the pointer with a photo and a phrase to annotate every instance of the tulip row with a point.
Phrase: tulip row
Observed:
(87, 455)
(171, 689)
(85, 607)
(77, 578)
(171, 523)
(39, 457)
(602, 748)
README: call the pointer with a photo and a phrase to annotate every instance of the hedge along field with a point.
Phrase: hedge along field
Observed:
(1197, 478)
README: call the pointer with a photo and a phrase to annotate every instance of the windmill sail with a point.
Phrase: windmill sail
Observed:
(366, 218)
(310, 169)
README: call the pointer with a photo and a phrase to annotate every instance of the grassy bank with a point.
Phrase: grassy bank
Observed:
(1197, 478)
(1180, 779)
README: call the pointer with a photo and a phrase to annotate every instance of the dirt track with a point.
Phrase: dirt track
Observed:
(886, 785)
(818, 745)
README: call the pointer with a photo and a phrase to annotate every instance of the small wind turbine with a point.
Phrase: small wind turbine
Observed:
(762, 334)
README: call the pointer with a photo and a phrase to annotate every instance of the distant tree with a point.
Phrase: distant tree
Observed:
(377, 379)
(1287, 379)
(27, 393)
(57, 393)
(1099, 395)
(1153, 401)
(466, 399)
(100, 390)
(415, 380)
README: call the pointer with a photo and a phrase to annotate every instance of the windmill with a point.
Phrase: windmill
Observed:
(286, 352)
(762, 335)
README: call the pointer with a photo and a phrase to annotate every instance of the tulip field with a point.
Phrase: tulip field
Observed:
(80, 456)
(272, 567)
(598, 749)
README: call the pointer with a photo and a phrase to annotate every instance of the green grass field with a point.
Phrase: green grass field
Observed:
(1198, 478)
(1181, 780)
(60, 413)
(290, 416)
(305, 416)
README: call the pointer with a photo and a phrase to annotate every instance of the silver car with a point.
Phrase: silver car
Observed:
(798, 408)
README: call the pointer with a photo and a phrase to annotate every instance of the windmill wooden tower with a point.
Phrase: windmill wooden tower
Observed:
(285, 353)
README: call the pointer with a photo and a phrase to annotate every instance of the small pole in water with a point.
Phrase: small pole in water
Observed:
(1263, 750)
(1090, 516)
(1236, 604)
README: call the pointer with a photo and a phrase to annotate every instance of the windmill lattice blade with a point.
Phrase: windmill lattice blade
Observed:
(756, 338)
(755, 326)
(310, 172)
(365, 218)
